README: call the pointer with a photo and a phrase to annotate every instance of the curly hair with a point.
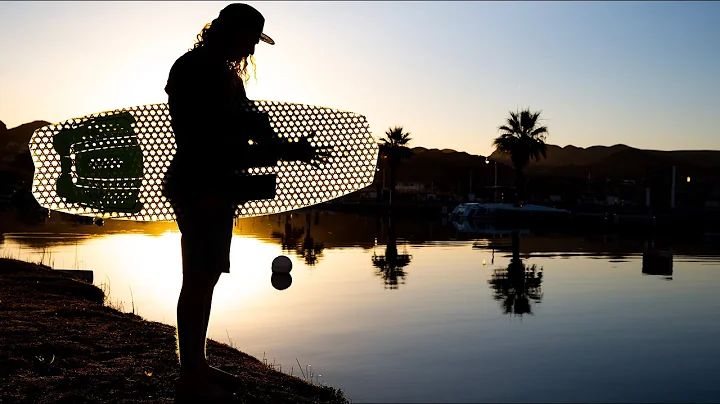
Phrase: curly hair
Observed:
(240, 67)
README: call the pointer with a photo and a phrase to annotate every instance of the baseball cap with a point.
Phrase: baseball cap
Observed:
(246, 15)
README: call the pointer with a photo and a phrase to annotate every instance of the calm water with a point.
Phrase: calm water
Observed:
(436, 321)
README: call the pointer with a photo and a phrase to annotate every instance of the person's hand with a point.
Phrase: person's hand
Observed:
(302, 150)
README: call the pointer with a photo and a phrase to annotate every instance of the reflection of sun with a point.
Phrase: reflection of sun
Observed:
(250, 262)
(143, 272)
(153, 269)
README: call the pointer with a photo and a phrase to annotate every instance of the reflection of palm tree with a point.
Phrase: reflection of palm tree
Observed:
(289, 238)
(517, 286)
(390, 266)
(309, 249)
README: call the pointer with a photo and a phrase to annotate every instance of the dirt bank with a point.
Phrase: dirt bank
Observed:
(60, 344)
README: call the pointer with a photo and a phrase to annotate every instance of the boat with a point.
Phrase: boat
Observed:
(505, 212)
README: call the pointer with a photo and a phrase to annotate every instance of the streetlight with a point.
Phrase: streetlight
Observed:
(487, 161)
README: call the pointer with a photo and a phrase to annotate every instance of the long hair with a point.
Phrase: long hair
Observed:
(215, 35)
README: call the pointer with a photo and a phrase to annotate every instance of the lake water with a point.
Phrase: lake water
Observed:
(437, 321)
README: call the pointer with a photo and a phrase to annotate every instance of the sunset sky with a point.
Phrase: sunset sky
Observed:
(646, 74)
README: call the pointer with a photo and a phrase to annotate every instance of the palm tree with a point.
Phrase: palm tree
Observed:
(523, 139)
(393, 149)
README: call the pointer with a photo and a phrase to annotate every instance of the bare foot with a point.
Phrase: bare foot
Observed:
(225, 379)
(200, 386)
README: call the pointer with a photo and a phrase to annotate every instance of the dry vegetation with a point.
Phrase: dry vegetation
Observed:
(60, 344)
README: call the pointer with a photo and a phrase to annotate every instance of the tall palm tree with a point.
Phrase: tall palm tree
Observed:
(394, 149)
(523, 139)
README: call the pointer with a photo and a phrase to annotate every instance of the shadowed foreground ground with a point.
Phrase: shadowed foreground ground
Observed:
(102, 355)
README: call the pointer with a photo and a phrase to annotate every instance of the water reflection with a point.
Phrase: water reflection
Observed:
(517, 286)
(45, 240)
(657, 261)
(605, 323)
(310, 250)
(281, 281)
(290, 236)
(290, 239)
(484, 228)
(390, 265)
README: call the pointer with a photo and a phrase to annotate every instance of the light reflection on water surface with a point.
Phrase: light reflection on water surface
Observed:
(438, 315)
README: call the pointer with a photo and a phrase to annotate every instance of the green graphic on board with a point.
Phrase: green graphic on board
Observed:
(101, 164)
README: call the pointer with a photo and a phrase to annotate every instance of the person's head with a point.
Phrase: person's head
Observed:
(234, 34)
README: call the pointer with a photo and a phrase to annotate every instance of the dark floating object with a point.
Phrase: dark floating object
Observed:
(281, 264)
(281, 281)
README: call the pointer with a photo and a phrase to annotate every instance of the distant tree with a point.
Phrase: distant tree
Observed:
(522, 139)
(394, 149)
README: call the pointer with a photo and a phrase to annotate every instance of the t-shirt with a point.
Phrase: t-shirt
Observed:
(202, 95)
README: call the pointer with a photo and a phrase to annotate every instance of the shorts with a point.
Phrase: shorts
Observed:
(206, 226)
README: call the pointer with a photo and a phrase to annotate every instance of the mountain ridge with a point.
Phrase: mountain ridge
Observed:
(448, 166)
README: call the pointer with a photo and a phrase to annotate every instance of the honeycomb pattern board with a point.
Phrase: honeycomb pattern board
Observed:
(112, 164)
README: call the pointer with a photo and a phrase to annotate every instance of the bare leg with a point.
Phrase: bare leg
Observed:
(227, 380)
(192, 323)
(200, 235)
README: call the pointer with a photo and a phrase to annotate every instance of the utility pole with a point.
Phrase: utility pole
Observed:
(383, 187)
(495, 189)
(470, 189)
(487, 161)
(672, 190)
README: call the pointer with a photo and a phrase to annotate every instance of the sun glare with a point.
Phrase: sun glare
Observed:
(145, 271)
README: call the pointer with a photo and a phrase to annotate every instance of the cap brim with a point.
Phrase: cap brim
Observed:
(266, 39)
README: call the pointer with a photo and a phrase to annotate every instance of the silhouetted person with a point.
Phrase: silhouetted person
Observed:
(207, 178)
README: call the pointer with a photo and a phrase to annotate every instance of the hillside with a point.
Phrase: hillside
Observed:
(450, 170)
(14, 155)
(20, 134)
(619, 161)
